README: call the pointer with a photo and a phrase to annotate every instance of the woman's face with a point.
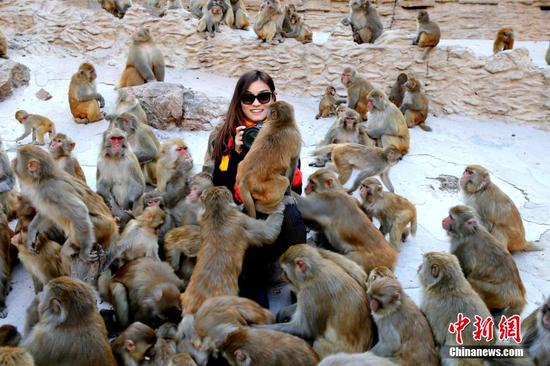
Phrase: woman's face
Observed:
(257, 112)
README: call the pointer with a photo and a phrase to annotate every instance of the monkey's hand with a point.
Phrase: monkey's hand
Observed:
(92, 255)
(346, 21)
(101, 101)
(287, 200)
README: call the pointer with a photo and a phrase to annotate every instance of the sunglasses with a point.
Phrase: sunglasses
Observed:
(263, 98)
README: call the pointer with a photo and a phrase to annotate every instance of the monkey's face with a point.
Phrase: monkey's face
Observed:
(141, 34)
(322, 180)
(474, 178)
(216, 10)
(350, 122)
(370, 187)
(402, 78)
(356, 4)
(126, 122)
(55, 144)
(182, 151)
(154, 202)
(373, 102)
(461, 221)
(346, 75)
(423, 17)
(21, 116)
(330, 90)
(115, 143)
(412, 85)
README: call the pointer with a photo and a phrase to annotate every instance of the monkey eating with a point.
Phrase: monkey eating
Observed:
(84, 100)
(504, 40)
(36, 124)
(60, 148)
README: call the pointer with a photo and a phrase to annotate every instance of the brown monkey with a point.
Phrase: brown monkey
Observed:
(380, 272)
(328, 103)
(15, 356)
(128, 102)
(364, 21)
(398, 90)
(504, 40)
(9, 336)
(134, 345)
(290, 9)
(497, 211)
(165, 347)
(3, 46)
(26, 213)
(5, 263)
(394, 212)
(119, 177)
(259, 178)
(116, 7)
(240, 14)
(182, 359)
(84, 100)
(386, 123)
(225, 235)
(446, 293)
(269, 21)
(370, 161)
(415, 105)
(487, 265)
(404, 332)
(70, 330)
(427, 33)
(145, 62)
(213, 15)
(535, 330)
(173, 171)
(181, 247)
(347, 228)
(36, 124)
(299, 29)
(358, 90)
(337, 323)
(187, 211)
(144, 290)
(8, 195)
(60, 148)
(249, 346)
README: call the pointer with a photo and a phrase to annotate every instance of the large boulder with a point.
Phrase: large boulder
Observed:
(12, 75)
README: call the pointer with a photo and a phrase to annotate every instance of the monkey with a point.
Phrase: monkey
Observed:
(3, 46)
(380, 272)
(134, 345)
(299, 29)
(446, 293)
(356, 359)
(259, 177)
(9, 336)
(182, 359)
(128, 102)
(547, 57)
(8, 195)
(358, 89)
(145, 62)
(84, 99)
(164, 348)
(199, 8)
(120, 181)
(213, 16)
(249, 346)
(370, 161)
(240, 14)
(427, 33)
(181, 247)
(415, 105)
(364, 21)
(143, 141)
(45, 262)
(497, 211)
(15, 356)
(394, 212)
(339, 217)
(337, 323)
(225, 234)
(398, 90)
(328, 103)
(386, 123)
(116, 7)
(5, 263)
(173, 171)
(144, 290)
(290, 9)
(187, 212)
(504, 40)
(269, 22)
(487, 265)
(70, 330)
(535, 330)
(25, 214)
(36, 124)
(64, 200)
(60, 148)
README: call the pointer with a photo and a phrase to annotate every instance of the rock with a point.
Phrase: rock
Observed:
(12, 75)
(507, 60)
(416, 3)
(171, 105)
(448, 183)
(43, 94)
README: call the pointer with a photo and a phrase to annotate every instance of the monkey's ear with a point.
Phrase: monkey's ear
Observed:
(329, 182)
(378, 188)
(435, 270)
(56, 309)
(72, 145)
(239, 355)
(33, 165)
(300, 265)
(129, 345)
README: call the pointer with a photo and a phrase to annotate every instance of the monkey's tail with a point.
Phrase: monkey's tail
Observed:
(425, 127)
(103, 282)
(324, 150)
(248, 201)
(413, 226)
(532, 247)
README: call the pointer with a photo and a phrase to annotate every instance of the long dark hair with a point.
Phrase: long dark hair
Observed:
(235, 116)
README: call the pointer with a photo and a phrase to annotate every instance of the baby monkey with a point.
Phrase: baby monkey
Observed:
(35, 123)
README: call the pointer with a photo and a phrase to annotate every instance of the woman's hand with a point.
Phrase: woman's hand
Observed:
(239, 139)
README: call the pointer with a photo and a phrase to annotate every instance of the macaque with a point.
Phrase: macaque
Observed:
(427, 33)
(290, 9)
(398, 90)
(9, 336)
(225, 235)
(358, 90)
(404, 332)
(37, 125)
(144, 290)
(143, 141)
(116, 7)
(188, 210)
(370, 161)
(395, 213)
(181, 247)
(497, 211)
(504, 40)
(259, 178)
(487, 265)
(15, 356)
(299, 29)
(213, 16)
(173, 171)
(337, 323)
(328, 103)
(364, 21)
(134, 345)
(5, 263)
(127, 102)
(120, 180)
(347, 228)
(386, 123)
(145, 62)
(380, 272)
(60, 148)
(8, 195)
(446, 293)
(84, 100)
(26, 213)
(269, 21)
(249, 346)
(3, 46)
(415, 105)
(165, 346)
(547, 57)
(535, 331)
(69, 330)
(240, 14)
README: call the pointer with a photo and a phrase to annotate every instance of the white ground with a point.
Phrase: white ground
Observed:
(515, 155)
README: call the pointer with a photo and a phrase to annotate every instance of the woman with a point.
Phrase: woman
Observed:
(260, 278)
